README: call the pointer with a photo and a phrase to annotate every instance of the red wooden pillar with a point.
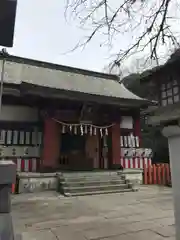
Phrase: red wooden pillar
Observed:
(116, 148)
(51, 144)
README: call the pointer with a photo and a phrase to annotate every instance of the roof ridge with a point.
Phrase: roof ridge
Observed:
(57, 66)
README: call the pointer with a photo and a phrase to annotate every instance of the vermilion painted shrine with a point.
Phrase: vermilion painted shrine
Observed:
(61, 118)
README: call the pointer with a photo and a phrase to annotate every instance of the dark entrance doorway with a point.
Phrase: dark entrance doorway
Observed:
(73, 153)
(72, 143)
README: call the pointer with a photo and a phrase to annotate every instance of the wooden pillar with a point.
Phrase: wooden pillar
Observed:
(51, 144)
(116, 148)
(92, 150)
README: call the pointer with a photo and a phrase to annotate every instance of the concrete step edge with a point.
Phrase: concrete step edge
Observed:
(97, 192)
(95, 186)
(91, 178)
(120, 181)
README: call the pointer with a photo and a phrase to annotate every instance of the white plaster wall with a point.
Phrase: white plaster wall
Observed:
(19, 113)
(126, 122)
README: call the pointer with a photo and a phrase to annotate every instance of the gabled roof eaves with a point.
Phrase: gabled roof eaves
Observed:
(43, 76)
(148, 73)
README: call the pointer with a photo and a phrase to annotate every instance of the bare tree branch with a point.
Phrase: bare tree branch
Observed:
(148, 20)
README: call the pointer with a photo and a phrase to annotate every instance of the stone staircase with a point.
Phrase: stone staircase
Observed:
(89, 183)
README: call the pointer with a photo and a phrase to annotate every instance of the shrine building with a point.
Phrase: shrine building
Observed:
(164, 87)
(60, 118)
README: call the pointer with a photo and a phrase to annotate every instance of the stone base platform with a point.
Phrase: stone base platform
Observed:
(80, 182)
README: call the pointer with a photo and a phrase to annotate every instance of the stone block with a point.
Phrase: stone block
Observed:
(37, 184)
(7, 172)
(134, 175)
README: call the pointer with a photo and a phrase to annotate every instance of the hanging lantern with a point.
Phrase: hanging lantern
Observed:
(63, 129)
(75, 130)
(91, 130)
(86, 129)
(81, 128)
(101, 133)
(106, 132)
(95, 131)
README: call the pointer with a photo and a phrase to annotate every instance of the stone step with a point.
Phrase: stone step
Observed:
(95, 188)
(92, 182)
(98, 192)
(89, 173)
(92, 175)
(92, 178)
(89, 183)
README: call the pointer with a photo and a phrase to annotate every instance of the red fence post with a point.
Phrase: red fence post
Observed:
(158, 175)
(154, 174)
(163, 181)
(13, 188)
(149, 174)
(145, 174)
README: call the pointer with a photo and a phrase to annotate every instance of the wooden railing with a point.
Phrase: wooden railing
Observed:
(159, 174)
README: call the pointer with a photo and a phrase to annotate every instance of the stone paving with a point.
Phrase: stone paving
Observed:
(147, 214)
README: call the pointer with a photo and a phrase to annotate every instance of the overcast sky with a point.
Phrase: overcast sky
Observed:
(42, 33)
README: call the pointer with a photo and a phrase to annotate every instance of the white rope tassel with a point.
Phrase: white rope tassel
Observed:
(67, 124)
(106, 132)
(63, 129)
(81, 130)
(91, 130)
(75, 130)
(70, 128)
(86, 129)
(95, 131)
(101, 133)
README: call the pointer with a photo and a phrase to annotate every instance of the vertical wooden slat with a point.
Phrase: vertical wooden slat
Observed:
(158, 175)
(149, 175)
(13, 188)
(154, 171)
(163, 174)
(145, 174)
(22, 165)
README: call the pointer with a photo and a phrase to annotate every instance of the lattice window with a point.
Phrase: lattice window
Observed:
(169, 93)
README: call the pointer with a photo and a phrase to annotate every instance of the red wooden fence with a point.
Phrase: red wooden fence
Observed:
(13, 188)
(157, 174)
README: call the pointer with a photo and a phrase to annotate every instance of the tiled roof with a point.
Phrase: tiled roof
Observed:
(174, 59)
(98, 84)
